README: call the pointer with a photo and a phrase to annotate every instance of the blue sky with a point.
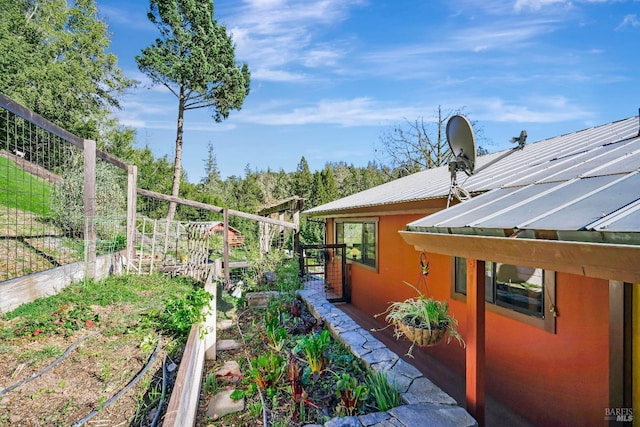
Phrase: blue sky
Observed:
(330, 76)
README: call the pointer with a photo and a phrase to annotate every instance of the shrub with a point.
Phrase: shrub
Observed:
(183, 311)
(67, 201)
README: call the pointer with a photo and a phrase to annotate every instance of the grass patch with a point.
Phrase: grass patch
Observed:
(23, 190)
(75, 307)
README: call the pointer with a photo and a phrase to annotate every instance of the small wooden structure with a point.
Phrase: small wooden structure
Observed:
(284, 210)
(217, 228)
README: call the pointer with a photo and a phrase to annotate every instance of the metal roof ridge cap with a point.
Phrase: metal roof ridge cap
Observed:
(523, 202)
(570, 202)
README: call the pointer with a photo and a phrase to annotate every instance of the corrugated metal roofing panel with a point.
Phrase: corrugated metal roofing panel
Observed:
(459, 214)
(570, 205)
(535, 162)
(592, 204)
(625, 220)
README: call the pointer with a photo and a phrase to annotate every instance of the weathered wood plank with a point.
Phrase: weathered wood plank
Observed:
(132, 200)
(90, 207)
(205, 206)
(21, 290)
(183, 405)
(599, 260)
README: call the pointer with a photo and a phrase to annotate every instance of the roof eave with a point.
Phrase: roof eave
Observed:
(611, 261)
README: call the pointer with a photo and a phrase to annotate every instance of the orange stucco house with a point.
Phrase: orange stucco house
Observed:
(551, 239)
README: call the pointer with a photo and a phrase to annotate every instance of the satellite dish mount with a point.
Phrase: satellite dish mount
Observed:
(462, 142)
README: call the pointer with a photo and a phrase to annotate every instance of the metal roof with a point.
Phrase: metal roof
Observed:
(537, 179)
(590, 193)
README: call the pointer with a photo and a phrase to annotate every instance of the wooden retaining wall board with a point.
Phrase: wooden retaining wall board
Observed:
(21, 290)
(183, 404)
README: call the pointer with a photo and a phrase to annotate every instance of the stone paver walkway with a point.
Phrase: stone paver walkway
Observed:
(425, 403)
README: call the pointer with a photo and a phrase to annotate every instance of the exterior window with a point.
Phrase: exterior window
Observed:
(361, 240)
(515, 288)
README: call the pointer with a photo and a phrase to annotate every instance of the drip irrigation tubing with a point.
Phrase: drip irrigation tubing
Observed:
(164, 391)
(48, 368)
(115, 397)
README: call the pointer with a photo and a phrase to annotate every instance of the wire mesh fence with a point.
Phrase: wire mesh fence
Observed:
(42, 209)
(62, 201)
(32, 164)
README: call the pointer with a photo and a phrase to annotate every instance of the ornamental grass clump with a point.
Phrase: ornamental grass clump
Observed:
(385, 394)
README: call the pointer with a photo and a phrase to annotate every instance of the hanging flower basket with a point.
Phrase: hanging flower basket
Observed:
(423, 321)
(422, 335)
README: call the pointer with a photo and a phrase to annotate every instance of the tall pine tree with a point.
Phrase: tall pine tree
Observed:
(195, 59)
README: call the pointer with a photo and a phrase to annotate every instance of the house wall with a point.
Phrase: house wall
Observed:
(550, 379)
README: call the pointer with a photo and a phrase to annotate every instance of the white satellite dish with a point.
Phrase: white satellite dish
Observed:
(463, 144)
(463, 147)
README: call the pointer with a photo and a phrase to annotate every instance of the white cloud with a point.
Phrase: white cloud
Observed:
(552, 109)
(350, 112)
(630, 20)
(276, 75)
(535, 4)
(283, 34)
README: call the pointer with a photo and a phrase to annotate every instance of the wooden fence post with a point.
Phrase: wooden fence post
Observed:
(225, 239)
(132, 197)
(90, 208)
(210, 323)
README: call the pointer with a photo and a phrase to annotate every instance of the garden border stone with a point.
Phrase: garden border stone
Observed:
(424, 401)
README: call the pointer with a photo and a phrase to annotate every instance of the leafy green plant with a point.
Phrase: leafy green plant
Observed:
(288, 275)
(273, 271)
(275, 334)
(352, 395)
(112, 245)
(385, 394)
(181, 312)
(65, 320)
(313, 347)
(237, 394)
(210, 384)
(67, 205)
(267, 370)
(254, 409)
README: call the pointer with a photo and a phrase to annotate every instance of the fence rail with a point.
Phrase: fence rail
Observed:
(62, 201)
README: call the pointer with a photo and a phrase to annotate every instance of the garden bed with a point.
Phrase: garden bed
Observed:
(291, 367)
(96, 349)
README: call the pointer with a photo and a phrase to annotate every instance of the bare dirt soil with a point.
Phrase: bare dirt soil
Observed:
(101, 365)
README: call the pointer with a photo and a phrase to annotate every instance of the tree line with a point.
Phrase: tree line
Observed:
(55, 60)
